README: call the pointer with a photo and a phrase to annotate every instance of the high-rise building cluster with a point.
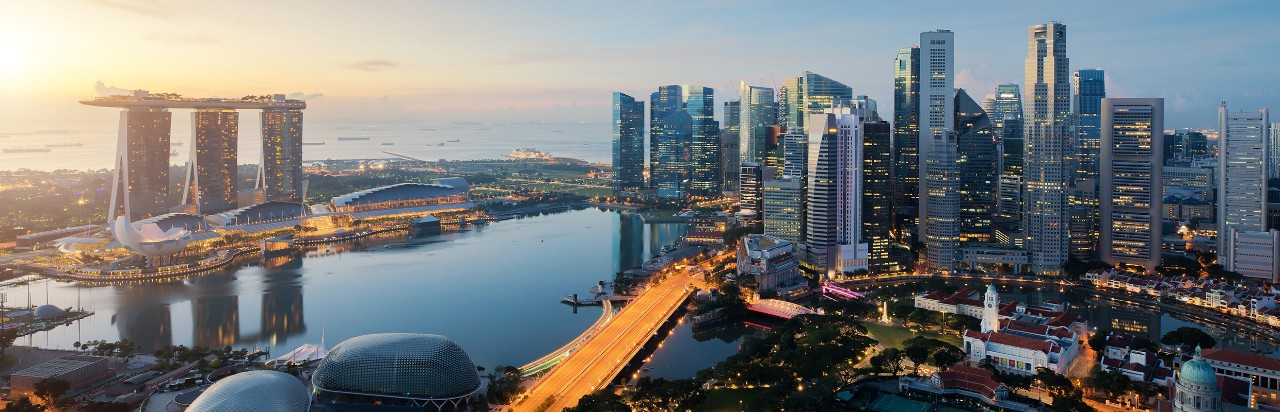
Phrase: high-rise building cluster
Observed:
(210, 182)
(1032, 176)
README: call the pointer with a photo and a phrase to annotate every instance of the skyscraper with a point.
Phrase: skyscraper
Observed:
(1048, 110)
(684, 142)
(730, 158)
(784, 208)
(942, 194)
(757, 111)
(877, 193)
(1242, 171)
(808, 94)
(280, 168)
(978, 157)
(1006, 119)
(937, 88)
(795, 154)
(834, 210)
(1130, 192)
(628, 144)
(751, 180)
(211, 181)
(1273, 165)
(1088, 87)
(141, 178)
(906, 133)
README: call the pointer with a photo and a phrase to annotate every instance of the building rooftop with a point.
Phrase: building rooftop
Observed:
(60, 366)
(144, 99)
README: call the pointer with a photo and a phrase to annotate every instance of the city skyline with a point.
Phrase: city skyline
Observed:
(561, 66)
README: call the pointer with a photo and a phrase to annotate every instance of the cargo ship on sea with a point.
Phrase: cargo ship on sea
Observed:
(27, 150)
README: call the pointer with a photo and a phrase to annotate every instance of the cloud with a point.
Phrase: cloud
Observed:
(103, 90)
(148, 8)
(305, 96)
(372, 65)
(179, 38)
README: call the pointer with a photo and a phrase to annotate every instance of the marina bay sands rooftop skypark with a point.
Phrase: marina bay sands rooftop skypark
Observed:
(144, 99)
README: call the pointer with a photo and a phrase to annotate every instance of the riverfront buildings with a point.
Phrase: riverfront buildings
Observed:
(1130, 196)
(628, 143)
(1048, 108)
(684, 142)
(768, 260)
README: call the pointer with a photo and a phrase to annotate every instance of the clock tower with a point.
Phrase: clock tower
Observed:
(991, 310)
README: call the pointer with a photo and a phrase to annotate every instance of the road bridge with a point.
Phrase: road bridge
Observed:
(780, 308)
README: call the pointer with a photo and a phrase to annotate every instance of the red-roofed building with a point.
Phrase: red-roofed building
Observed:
(1262, 371)
(964, 381)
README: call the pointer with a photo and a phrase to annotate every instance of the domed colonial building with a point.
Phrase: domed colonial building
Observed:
(396, 371)
(253, 391)
(1199, 388)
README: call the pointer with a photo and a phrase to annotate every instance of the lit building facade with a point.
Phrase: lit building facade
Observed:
(811, 93)
(684, 142)
(1130, 195)
(942, 194)
(141, 177)
(979, 161)
(211, 181)
(1088, 87)
(784, 209)
(937, 106)
(751, 181)
(877, 193)
(906, 132)
(757, 111)
(1242, 171)
(1047, 103)
(280, 168)
(628, 143)
(769, 260)
(730, 158)
(834, 191)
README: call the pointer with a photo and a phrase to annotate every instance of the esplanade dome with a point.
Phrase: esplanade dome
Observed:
(254, 391)
(412, 367)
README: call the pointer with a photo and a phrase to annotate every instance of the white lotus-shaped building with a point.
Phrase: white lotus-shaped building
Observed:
(149, 240)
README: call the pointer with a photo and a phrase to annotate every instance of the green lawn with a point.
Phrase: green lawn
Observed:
(892, 336)
(727, 400)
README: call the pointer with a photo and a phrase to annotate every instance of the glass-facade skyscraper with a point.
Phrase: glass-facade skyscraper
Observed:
(808, 94)
(730, 158)
(1132, 174)
(1088, 88)
(937, 105)
(628, 143)
(978, 154)
(757, 111)
(141, 180)
(906, 130)
(211, 183)
(685, 142)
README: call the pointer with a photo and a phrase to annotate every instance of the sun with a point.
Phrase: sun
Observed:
(13, 60)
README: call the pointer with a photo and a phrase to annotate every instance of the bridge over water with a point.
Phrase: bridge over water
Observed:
(780, 308)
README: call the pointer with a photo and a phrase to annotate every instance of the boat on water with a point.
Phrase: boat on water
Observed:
(453, 140)
(353, 138)
(27, 150)
(529, 153)
(388, 143)
(319, 143)
(368, 127)
(64, 144)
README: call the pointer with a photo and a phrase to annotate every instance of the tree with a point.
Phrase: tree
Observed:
(918, 354)
(947, 356)
(1053, 383)
(890, 360)
(504, 384)
(1188, 338)
(7, 337)
(50, 390)
(603, 400)
(23, 405)
(1098, 340)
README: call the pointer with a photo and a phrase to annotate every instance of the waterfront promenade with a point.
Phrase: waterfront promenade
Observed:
(603, 355)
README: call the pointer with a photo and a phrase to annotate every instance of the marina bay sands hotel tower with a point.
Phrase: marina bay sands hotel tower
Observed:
(140, 186)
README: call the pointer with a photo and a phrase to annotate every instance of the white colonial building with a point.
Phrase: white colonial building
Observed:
(1022, 341)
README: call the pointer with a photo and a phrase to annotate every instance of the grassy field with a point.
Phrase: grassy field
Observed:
(893, 336)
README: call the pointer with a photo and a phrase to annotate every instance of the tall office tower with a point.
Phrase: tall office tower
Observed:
(704, 166)
(280, 168)
(687, 141)
(1273, 165)
(989, 105)
(1084, 220)
(942, 192)
(978, 156)
(1130, 194)
(795, 154)
(808, 94)
(937, 88)
(757, 111)
(834, 190)
(665, 102)
(1048, 111)
(877, 193)
(751, 180)
(141, 178)
(906, 133)
(1242, 171)
(211, 171)
(784, 208)
(1006, 119)
(1088, 87)
(628, 144)
(730, 159)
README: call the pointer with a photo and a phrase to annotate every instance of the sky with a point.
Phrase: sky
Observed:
(557, 61)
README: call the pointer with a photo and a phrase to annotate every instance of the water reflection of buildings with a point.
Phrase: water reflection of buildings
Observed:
(1131, 319)
(215, 311)
(629, 238)
(146, 322)
(282, 314)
